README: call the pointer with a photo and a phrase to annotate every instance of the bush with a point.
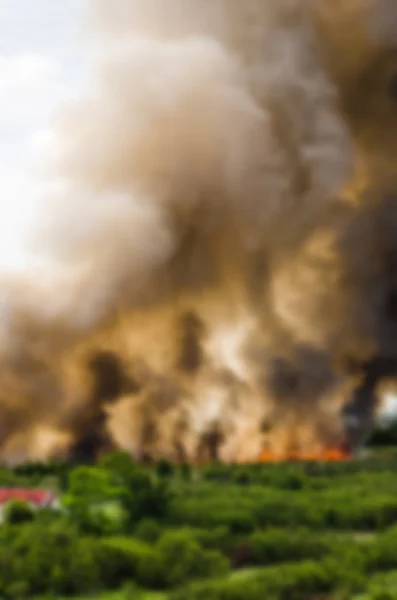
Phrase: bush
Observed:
(280, 545)
(214, 510)
(148, 530)
(218, 472)
(277, 511)
(184, 559)
(48, 559)
(216, 538)
(186, 472)
(164, 468)
(131, 591)
(188, 523)
(243, 478)
(120, 559)
(17, 512)
(298, 582)
(18, 590)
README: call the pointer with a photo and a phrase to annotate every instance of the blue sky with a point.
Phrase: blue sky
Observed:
(41, 65)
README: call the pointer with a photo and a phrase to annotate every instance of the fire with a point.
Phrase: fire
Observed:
(326, 455)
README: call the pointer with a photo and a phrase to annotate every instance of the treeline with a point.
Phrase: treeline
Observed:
(218, 532)
(385, 435)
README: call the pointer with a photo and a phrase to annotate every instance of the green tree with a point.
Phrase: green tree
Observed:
(94, 500)
(17, 512)
(183, 558)
(142, 495)
(18, 590)
(145, 498)
(164, 468)
(148, 530)
(186, 472)
(120, 464)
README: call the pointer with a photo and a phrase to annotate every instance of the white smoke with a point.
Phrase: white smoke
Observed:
(180, 119)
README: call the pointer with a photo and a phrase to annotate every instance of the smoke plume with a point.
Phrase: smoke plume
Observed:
(217, 236)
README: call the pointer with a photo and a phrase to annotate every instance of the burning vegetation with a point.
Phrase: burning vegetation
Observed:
(327, 455)
(219, 247)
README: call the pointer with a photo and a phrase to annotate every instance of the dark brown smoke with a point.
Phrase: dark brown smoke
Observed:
(369, 250)
(191, 356)
(89, 425)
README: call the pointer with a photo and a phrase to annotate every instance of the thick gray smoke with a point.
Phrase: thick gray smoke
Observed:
(196, 303)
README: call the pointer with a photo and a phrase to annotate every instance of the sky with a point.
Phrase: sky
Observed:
(42, 64)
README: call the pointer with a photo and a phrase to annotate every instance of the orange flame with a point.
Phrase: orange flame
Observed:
(327, 455)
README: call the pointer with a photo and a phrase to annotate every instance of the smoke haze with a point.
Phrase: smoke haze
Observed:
(217, 236)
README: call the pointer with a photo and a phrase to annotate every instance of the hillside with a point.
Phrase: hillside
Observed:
(216, 532)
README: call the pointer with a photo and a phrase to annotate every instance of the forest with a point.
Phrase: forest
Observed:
(123, 531)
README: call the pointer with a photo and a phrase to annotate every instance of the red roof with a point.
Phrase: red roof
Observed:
(37, 497)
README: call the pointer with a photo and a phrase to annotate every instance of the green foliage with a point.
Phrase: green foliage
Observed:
(115, 495)
(17, 512)
(216, 538)
(120, 464)
(183, 559)
(145, 497)
(142, 496)
(18, 590)
(186, 472)
(123, 558)
(93, 499)
(243, 478)
(281, 545)
(94, 484)
(164, 468)
(148, 530)
(47, 559)
(298, 581)
(220, 532)
(385, 435)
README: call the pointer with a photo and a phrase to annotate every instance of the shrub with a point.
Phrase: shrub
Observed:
(148, 530)
(131, 591)
(48, 558)
(120, 559)
(18, 590)
(184, 559)
(164, 468)
(298, 582)
(280, 545)
(17, 512)
(243, 478)
(217, 472)
(186, 472)
(216, 538)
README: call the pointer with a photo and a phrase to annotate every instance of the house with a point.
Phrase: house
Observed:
(37, 499)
